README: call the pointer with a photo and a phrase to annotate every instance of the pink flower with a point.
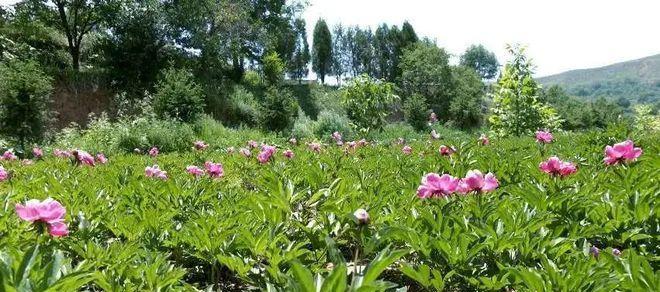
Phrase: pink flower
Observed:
(83, 157)
(153, 152)
(544, 137)
(351, 146)
(288, 153)
(293, 141)
(100, 157)
(267, 152)
(407, 150)
(194, 171)
(61, 154)
(230, 150)
(337, 137)
(483, 140)
(48, 211)
(252, 144)
(4, 175)
(155, 172)
(435, 135)
(200, 145)
(362, 142)
(555, 167)
(446, 151)
(400, 141)
(621, 152)
(27, 162)
(434, 185)
(37, 152)
(214, 170)
(316, 147)
(433, 118)
(245, 152)
(9, 155)
(475, 181)
(361, 216)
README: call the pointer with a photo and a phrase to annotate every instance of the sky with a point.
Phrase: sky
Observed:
(560, 35)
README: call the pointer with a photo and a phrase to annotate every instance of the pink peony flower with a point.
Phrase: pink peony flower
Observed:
(37, 152)
(362, 142)
(9, 155)
(288, 153)
(446, 151)
(4, 175)
(316, 147)
(400, 141)
(245, 152)
(61, 153)
(48, 211)
(544, 137)
(155, 172)
(407, 150)
(293, 141)
(153, 152)
(194, 171)
(336, 136)
(83, 157)
(252, 144)
(27, 162)
(100, 157)
(435, 135)
(361, 216)
(475, 181)
(352, 146)
(200, 145)
(621, 152)
(483, 140)
(266, 153)
(433, 118)
(555, 167)
(434, 185)
(214, 170)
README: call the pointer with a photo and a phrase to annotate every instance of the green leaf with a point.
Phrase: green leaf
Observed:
(23, 272)
(336, 281)
(303, 277)
(383, 260)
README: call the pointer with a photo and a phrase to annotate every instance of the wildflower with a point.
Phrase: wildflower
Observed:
(400, 141)
(475, 181)
(153, 152)
(407, 150)
(616, 252)
(288, 153)
(214, 170)
(433, 118)
(48, 211)
(483, 140)
(316, 147)
(434, 185)
(252, 144)
(362, 142)
(555, 167)
(4, 174)
(351, 146)
(100, 157)
(361, 216)
(621, 152)
(594, 251)
(137, 151)
(27, 162)
(245, 152)
(83, 157)
(446, 151)
(155, 172)
(293, 141)
(435, 135)
(544, 137)
(200, 145)
(61, 153)
(37, 152)
(9, 155)
(336, 136)
(194, 171)
(267, 152)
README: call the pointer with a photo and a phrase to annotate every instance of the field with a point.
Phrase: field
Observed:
(289, 224)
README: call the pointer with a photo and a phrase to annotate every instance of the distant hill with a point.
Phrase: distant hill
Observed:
(636, 80)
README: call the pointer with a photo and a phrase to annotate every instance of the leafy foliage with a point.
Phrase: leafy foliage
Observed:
(481, 60)
(279, 110)
(322, 50)
(273, 68)
(178, 96)
(367, 102)
(416, 112)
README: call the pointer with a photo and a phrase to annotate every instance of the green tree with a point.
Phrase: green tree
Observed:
(273, 69)
(516, 110)
(416, 112)
(383, 51)
(24, 101)
(481, 60)
(298, 66)
(279, 110)
(178, 96)
(466, 108)
(338, 52)
(322, 50)
(425, 71)
(367, 102)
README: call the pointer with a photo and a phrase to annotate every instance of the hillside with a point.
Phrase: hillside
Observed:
(636, 80)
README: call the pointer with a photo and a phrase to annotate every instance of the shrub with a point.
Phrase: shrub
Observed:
(416, 112)
(24, 101)
(273, 69)
(326, 98)
(367, 102)
(279, 110)
(465, 109)
(244, 108)
(304, 127)
(178, 96)
(328, 122)
(143, 133)
(251, 79)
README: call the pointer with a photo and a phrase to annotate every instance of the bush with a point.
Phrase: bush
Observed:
(279, 110)
(273, 69)
(465, 109)
(24, 101)
(328, 122)
(244, 108)
(167, 135)
(178, 96)
(303, 128)
(367, 102)
(416, 112)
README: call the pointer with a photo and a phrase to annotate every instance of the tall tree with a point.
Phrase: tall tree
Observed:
(481, 60)
(383, 51)
(338, 52)
(408, 35)
(322, 50)
(298, 65)
(364, 51)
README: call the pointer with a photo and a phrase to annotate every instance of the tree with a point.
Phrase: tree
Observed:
(178, 96)
(481, 60)
(322, 50)
(416, 112)
(338, 52)
(383, 52)
(516, 110)
(408, 35)
(368, 101)
(425, 71)
(273, 69)
(466, 109)
(298, 65)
